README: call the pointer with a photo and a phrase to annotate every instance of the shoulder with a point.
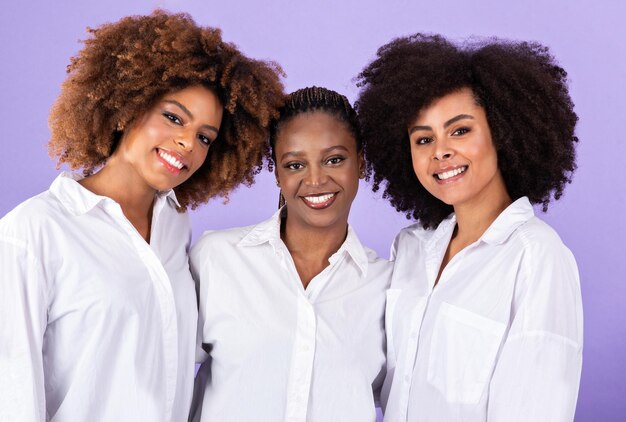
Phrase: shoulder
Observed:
(219, 240)
(539, 239)
(376, 262)
(415, 233)
(411, 239)
(547, 264)
(32, 216)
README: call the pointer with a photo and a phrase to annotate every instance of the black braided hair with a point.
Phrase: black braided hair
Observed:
(312, 99)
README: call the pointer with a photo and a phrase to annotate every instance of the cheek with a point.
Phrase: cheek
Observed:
(287, 181)
(351, 181)
(487, 156)
(150, 134)
(421, 166)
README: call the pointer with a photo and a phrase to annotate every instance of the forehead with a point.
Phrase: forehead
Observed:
(195, 94)
(462, 101)
(317, 129)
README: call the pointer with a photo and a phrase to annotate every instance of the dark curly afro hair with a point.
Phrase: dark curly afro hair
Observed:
(520, 86)
(127, 66)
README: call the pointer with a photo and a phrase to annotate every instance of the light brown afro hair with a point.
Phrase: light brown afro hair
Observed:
(125, 67)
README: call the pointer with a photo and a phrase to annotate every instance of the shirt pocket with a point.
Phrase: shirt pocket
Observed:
(463, 352)
(390, 306)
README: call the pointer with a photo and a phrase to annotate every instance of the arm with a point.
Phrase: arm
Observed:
(538, 371)
(197, 264)
(23, 316)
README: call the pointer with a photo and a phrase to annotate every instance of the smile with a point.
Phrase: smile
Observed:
(170, 162)
(319, 201)
(450, 173)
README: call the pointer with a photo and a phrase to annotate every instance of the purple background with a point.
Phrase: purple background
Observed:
(326, 43)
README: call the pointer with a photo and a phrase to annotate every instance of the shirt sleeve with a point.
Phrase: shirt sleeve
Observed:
(393, 250)
(198, 272)
(538, 371)
(23, 316)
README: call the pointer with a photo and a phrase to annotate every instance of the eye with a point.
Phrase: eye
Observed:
(335, 160)
(423, 140)
(460, 131)
(205, 139)
(294, 166)
(172, 118)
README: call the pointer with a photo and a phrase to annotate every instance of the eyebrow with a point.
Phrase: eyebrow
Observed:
(190, 115)
(324, 151)
(445, 125)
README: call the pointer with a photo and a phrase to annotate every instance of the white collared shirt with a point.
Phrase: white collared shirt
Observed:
(499, 339)
(95, 323)
(279, 352)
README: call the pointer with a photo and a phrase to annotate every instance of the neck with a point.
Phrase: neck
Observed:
(311, 247)
(126, 188)
(475, 218)
(311, 241)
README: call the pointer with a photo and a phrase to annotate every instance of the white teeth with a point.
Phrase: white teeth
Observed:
(170, 159)
(448, 174)
(320, 198)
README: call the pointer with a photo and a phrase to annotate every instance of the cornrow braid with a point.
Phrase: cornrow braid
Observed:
(312, 99)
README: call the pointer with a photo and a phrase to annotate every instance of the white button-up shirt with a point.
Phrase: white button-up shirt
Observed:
(277, 351)
(499, 339)
(95, 323)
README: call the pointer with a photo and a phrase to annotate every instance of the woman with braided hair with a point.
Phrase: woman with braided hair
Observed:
(291, 309)
(484, 314)
(98, 310)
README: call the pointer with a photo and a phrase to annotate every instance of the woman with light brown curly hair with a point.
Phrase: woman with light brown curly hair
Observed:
(97, 306)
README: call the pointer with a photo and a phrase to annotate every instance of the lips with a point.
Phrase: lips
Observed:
(450, 174)
(172, 161)
(319, 201)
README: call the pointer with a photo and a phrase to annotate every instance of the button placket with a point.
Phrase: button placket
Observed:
(411, 353)
(163, 288)
(301, 370)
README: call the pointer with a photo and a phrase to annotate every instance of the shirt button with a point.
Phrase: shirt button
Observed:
(407, 379)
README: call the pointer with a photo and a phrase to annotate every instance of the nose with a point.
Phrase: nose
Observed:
(316, 176)
(185, 142)
(443, 151)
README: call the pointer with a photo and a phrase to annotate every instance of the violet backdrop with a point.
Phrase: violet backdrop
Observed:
(327, 43)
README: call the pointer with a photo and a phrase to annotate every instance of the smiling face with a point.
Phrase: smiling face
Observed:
(166, 145)
(317, 167)
(453, 154)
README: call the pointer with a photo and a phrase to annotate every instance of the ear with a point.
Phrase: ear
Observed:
(276, 176)
(361, 161)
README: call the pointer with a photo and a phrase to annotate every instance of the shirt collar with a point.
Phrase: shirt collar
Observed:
(354, 248)
(266, 231)
(79, 200)
(508, 221)
(269, 231)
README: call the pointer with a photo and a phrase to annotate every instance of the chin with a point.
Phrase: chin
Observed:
(322, 222)
(163, 184)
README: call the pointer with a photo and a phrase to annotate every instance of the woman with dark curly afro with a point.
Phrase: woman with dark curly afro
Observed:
(292, 309)
(484, 314)
(97, 305)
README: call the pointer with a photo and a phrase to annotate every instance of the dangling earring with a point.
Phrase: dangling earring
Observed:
(281, 200)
